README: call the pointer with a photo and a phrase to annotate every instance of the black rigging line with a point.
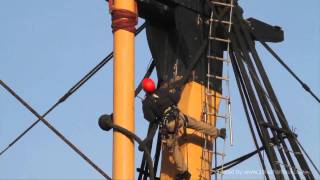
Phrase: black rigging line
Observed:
(143, 170)
(244, 97)
(304, 85)
(277, 107)
(148, 74)
(62, 137)
(273, 99)
(237, 161)
(106, 124)
(304, 151)
(157, 153)
(41, 118)
(243, 42)
(72, 90)
(256, 111)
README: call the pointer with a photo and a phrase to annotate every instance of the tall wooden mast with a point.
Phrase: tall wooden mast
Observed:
(123, 102)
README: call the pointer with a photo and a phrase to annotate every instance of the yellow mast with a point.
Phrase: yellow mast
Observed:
(123, 102)
(197, 158)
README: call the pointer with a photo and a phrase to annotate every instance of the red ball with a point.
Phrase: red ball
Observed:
(148, 85)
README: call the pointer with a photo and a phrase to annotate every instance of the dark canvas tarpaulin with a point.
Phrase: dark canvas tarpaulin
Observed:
(173, 45)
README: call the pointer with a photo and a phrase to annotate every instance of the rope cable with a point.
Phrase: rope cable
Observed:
(72, 90)
(41, 118)
(276, 106)
(304, 85)
(247, 106)
(237, 161)
(266, 108)
(51, 127)
(304, 151)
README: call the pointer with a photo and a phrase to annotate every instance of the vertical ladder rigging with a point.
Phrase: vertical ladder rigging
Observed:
(211, 113)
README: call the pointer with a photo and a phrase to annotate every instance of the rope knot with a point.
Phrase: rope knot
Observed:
(122, 19)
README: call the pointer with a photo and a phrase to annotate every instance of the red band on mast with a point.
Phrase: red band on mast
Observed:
(122, 19)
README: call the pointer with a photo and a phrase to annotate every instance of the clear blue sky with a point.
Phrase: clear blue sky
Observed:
(47, 46)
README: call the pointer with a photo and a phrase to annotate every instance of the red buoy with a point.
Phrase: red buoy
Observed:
(148, 85)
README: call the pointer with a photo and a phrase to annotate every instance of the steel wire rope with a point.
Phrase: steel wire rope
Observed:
(72, 90)
(305, 152)
(266, 106)
(59, 134)
(255, 78)
(276, 109)
(148, 73)
(106, 124)
(256, 112)
(247, 104)
(277, 57)
(237, 161)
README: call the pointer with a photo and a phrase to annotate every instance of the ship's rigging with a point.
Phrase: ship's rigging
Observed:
(261, 105)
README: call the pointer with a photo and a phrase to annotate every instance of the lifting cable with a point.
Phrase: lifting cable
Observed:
(304, 85)
(72, 90)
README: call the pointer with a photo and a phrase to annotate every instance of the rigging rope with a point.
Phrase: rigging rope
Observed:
(244, 97)
(237, 161)
(304, 85)
(61, 136)
(72, 90)
(99, 66)
(106, 124)
(123, 19)
(304, 151)
(272, 99)
(241, 55)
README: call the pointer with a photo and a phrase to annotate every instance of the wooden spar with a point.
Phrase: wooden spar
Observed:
(123, 102)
